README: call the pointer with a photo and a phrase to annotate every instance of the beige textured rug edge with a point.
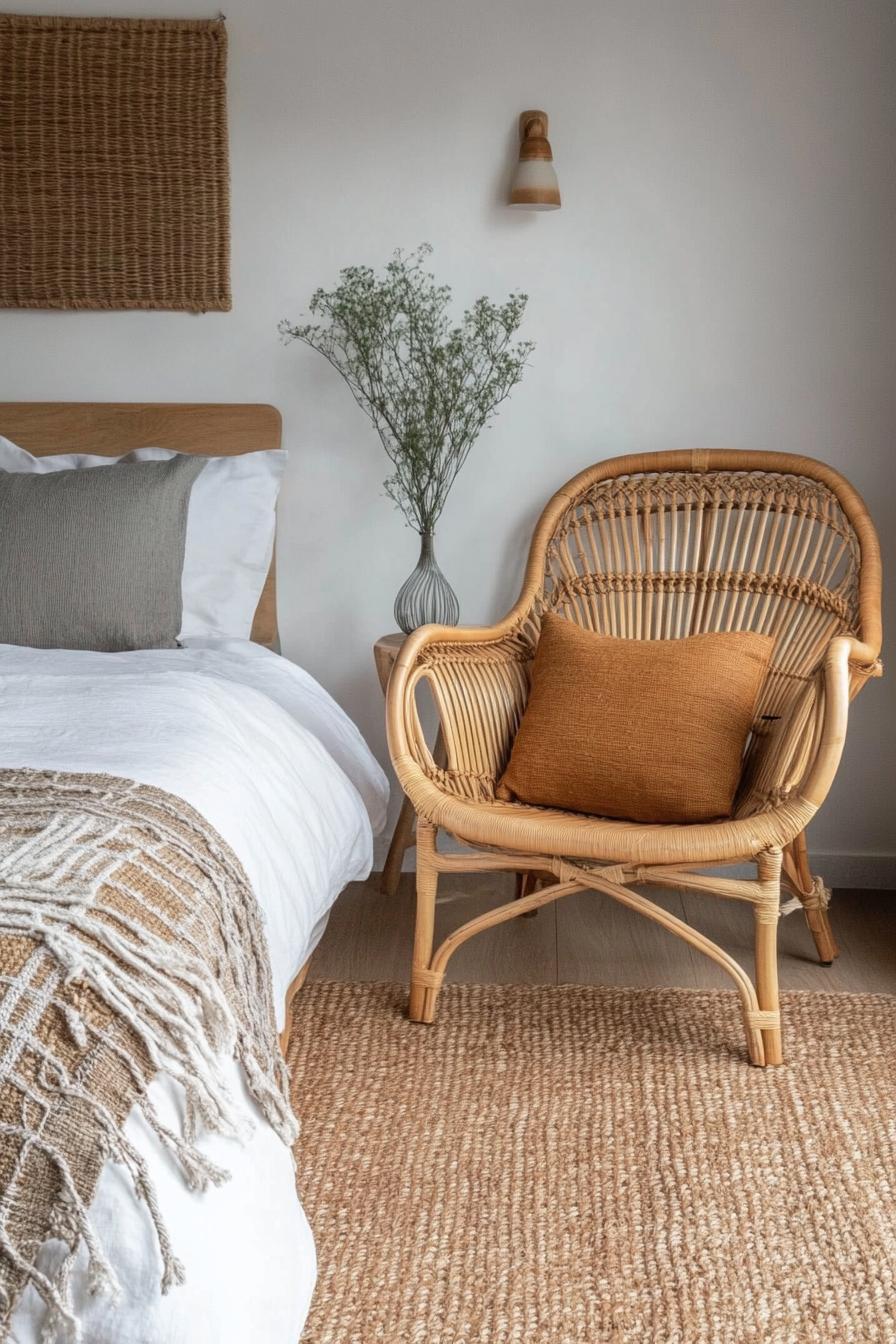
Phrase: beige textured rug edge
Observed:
(573, 1164)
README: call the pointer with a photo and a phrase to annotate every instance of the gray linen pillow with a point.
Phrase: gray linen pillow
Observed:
(93, 559)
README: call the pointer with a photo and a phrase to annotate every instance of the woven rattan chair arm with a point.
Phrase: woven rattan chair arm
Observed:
(820, 775)
(427, 637)
(477, 678)
(799, 759)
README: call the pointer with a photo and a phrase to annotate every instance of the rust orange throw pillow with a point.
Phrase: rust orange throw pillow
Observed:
(647, 730)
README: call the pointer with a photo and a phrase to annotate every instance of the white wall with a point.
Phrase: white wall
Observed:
(721, 273)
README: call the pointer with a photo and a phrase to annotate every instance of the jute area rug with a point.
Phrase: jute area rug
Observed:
(580, 1165)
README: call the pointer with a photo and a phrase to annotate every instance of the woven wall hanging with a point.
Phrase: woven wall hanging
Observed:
(114, 185)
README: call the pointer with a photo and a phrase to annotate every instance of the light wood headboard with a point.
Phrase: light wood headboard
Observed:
(110, 428)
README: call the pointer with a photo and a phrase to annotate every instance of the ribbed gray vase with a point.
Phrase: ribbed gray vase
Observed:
(426, 597)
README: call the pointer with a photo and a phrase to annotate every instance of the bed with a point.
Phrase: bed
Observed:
(266, 757)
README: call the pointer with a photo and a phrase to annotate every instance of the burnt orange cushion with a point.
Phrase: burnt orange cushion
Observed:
(648, 730)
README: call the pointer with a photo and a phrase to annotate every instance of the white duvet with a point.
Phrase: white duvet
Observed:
(261, 750)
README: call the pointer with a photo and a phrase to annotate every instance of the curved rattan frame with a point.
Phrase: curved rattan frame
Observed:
(478, 678)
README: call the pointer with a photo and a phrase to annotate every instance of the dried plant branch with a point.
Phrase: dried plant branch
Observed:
(428, 387)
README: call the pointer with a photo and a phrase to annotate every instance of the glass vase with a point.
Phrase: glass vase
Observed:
(426, 597)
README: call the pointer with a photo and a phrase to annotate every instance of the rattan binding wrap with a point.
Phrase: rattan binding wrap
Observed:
(114, 189)
(657, 546)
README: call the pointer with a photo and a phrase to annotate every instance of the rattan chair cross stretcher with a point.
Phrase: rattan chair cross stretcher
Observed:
(657, 546)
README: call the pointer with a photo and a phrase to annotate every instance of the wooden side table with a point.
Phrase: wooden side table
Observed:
(385, 651)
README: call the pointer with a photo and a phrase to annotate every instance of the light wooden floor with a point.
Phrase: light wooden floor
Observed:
(590, 939)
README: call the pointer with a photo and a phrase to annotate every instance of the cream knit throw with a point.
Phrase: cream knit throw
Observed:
(130, 945)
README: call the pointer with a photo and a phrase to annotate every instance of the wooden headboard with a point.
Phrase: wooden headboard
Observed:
(111, 428)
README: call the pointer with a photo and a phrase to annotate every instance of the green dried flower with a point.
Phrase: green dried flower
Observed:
(429, 387)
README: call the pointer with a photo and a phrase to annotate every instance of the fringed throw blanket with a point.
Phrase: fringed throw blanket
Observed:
(130, 945)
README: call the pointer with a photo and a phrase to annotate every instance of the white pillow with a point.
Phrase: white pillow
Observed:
(230, 530)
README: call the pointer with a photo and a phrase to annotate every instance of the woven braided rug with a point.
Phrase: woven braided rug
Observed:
(579, 1165)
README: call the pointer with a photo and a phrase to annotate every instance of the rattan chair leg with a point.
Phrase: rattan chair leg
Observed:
(422, 998)
(810, 891)
(766, 914)
(819, 922)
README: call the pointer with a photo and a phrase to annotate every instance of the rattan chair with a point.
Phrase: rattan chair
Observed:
(657, 545)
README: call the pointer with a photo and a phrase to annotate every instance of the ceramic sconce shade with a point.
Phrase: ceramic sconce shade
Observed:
(534, 185)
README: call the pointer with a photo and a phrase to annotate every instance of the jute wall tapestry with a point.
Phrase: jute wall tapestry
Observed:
(114, 189)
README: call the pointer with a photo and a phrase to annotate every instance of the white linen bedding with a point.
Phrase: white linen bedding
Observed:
(256, 746)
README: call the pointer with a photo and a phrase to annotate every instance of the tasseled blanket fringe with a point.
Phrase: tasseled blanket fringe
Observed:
(53, 881)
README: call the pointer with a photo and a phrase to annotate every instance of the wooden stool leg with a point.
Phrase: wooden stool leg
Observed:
(766, 915)
(402, 840)
(422, 998)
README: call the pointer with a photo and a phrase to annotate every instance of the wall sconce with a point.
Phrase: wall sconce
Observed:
(534, 184)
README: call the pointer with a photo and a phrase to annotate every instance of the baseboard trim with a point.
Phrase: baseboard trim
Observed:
(874, 872)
